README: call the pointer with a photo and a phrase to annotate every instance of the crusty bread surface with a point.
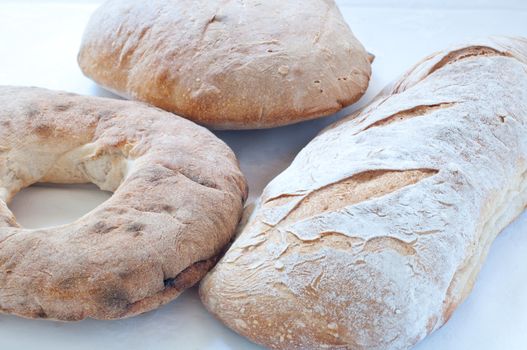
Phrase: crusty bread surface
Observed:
(178, 196)
(228, 64)
(377, 231)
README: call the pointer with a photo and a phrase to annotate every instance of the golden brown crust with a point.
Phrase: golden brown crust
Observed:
(228, 64)
(173, 287)
(178, 196)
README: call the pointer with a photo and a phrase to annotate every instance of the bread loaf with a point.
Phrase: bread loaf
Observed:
(228, 64)
(178, 196)
(377, 231)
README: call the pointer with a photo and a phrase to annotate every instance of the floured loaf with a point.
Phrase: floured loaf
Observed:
(376, 232)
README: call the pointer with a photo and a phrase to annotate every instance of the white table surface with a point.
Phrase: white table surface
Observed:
(38, 46)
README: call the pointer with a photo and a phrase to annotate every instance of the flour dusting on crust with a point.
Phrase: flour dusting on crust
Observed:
(331, 258)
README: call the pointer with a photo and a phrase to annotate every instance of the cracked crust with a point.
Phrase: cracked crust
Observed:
(178, 196)
(376, 232)
(228, 64)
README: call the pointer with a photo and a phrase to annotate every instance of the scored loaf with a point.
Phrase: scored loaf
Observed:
(377, 231)
(228, 64)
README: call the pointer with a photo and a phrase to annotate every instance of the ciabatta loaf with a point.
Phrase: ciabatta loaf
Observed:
(376, 232)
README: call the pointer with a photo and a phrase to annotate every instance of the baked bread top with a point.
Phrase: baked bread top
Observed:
(376, 232)
(178, 196)
(228, 64)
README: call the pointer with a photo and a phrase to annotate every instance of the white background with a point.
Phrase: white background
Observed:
(38, 46)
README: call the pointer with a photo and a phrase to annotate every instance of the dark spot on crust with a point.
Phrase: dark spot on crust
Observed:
(157, 175)
(63, 107)
(43, 130)
(503, 118)
(32, 112)
(167, 208)
(102, 228)
(115, 298)
(68, 283)
(191, 275)
(169, 282)
(42, 314)
(160, 208)
(135, 228)
(104, 115)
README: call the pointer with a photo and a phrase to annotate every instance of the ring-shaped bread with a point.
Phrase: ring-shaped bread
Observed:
(178, 196)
